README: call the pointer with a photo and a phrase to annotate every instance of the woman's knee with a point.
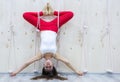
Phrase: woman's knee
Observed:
(25, 14)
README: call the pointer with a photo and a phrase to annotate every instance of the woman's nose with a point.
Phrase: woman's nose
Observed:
(48, 63)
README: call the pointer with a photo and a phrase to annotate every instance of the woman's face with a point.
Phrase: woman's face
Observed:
(48, 65)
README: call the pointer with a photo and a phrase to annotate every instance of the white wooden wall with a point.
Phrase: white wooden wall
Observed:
(90, 40)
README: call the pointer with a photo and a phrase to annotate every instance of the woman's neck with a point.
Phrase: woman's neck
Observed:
(48, 56)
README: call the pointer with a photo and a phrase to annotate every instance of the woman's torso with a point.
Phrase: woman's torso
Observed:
(48, 42)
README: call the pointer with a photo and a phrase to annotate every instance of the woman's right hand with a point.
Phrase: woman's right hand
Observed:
(80, 73)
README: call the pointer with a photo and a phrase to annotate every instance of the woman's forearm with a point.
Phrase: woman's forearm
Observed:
(30, 61)
(66, 62)
(72, 68)
(21, 68)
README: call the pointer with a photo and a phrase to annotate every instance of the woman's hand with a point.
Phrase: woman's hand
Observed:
(13, 74)
(80, 73)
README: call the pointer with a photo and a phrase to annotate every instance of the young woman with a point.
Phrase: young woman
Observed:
(48, 48)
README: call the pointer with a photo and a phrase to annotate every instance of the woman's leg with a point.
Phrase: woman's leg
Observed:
(32, 17)
(65, 61)
(27, 63)
(64, 16)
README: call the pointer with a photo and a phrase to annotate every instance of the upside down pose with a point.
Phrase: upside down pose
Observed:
(48, 48)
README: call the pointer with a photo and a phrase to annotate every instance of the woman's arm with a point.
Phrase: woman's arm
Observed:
(65, 61)
(27, 63)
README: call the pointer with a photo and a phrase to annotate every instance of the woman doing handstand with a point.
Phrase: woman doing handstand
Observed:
(48, 33)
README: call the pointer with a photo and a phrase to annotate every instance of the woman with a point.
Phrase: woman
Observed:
(48, 30)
